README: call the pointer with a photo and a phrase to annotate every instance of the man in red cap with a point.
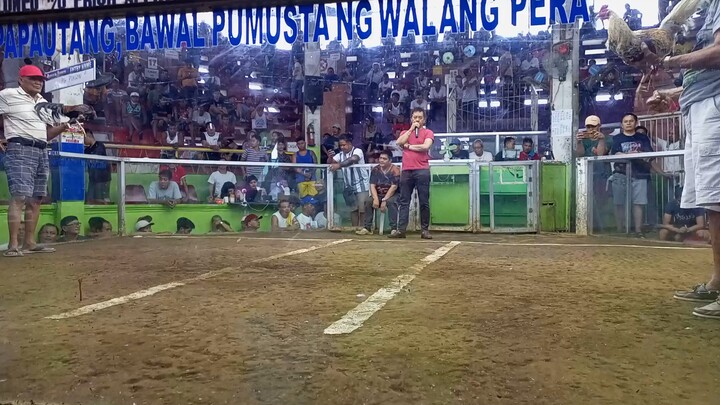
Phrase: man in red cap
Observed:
(29, 122)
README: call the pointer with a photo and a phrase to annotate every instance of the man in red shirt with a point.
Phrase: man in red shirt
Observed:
(416, 142)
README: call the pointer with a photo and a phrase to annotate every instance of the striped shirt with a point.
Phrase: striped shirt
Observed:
(18, 110)
(254, 155)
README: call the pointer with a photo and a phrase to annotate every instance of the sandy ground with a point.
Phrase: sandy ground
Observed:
(488, 323)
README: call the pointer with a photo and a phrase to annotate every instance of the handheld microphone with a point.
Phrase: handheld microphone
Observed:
(417, 133)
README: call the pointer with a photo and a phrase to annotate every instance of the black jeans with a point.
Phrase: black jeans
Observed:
(411, 180)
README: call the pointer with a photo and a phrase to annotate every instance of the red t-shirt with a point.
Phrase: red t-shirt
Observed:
(177, 175)
(412, 160)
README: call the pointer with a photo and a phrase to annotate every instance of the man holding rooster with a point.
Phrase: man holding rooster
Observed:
(700, 106)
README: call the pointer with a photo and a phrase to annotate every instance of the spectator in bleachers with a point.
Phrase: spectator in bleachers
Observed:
(136, 80)
(419, 102)
(182, 114)
(217, 179)
(219, 225)
(385, 88)
(330, 78)
(115, 104)
(374, 77)
(170, 137)
(479, 153)
(211, 139)
(283, 219)
(218, 106)
(438, 99)
(281, 178)
(259, 119)
(99, 228)
(630, 142)
(99, 174)
(394, 109)
(254, 154)
(184, 226)
(70, 229)
(403, 93)
(134, 113)
(422, 83)
(48, 233)
(200, 119)
(681, 224)
(213, 82)
(164, 191)
(458, 152)
(528, 150)
(509, 152)
(187, 77)
(249, 191)
(179, 176)
(162, 112)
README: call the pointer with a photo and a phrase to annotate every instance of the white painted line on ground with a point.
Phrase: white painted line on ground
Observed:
(158, 288)
(471, 242)
(355, 318)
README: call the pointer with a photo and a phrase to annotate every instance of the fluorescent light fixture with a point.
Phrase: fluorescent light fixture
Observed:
(602, 97)
(351, 59)
(602, 61)
(255, 86)
(254, 75)
(427, 107)
(482, 104)
(595, 52)
(273, 110)
(201, 81)
(541, 101)
(588, 42)
(204, 69)
(618, 96)
(494, 103)
(405, 64)
(377, 109)
(391, 75)
(497, 81)
(405, 55)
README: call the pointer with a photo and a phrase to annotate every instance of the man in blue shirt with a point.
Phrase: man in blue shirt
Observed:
(680, 224)
(630, 142)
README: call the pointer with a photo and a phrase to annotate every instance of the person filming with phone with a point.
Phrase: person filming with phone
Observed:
(591, 141)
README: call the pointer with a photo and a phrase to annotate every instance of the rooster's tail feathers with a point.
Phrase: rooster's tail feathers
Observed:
(680, 13)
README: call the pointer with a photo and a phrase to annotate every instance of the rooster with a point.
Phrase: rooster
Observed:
(631, 46)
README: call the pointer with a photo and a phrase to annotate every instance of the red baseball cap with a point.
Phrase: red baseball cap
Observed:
(31, 71)
(247, 218)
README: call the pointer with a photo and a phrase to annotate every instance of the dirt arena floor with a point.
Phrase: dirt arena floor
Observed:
(496, 320)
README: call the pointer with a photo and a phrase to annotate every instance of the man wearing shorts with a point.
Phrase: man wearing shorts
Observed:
(630, 142)
(29, 122)
(700, 106)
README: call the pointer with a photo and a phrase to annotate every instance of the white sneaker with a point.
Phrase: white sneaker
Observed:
(363, 231)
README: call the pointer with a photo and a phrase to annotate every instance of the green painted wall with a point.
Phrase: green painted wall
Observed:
(450, 204)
